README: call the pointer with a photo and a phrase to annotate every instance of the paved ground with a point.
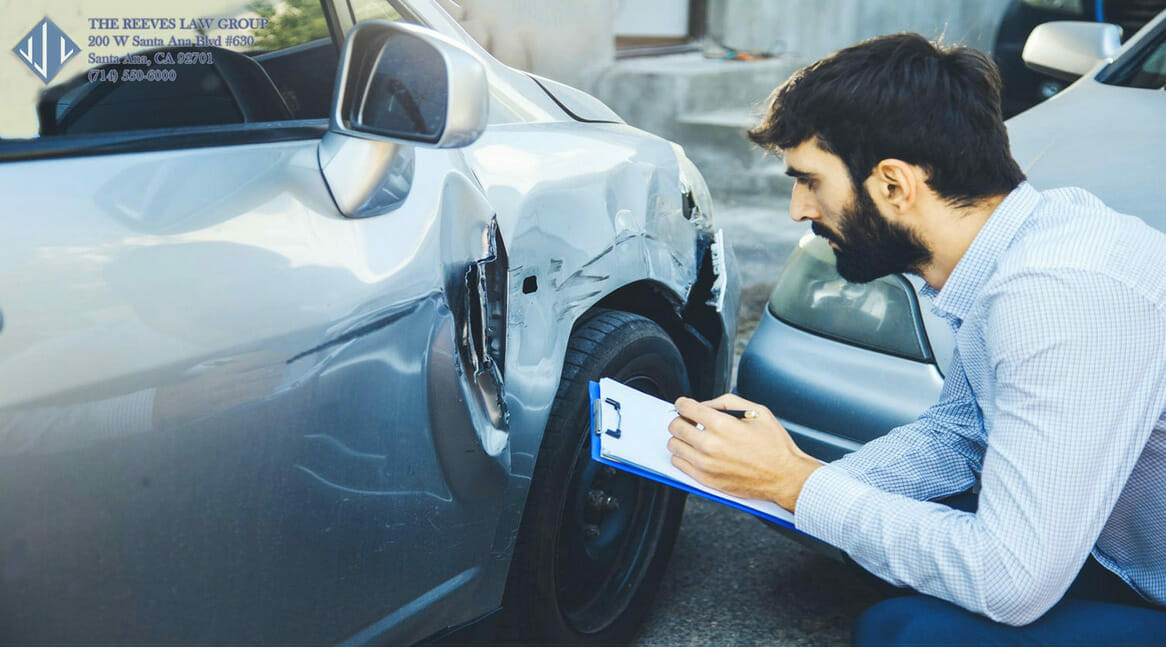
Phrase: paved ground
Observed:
(735, 581)
(732, 579)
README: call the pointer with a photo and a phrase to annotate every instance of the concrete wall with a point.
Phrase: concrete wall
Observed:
(810, 29)
(706, 104)
(573, 41)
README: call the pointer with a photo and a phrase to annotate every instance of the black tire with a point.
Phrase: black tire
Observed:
(568, 583)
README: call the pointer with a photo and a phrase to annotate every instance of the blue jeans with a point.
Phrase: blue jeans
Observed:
(1098, 610)
(927, 621)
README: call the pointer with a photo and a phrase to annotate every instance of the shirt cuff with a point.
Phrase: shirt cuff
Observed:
(824, 506)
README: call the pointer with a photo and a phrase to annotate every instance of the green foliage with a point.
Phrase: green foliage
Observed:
(374, 9)
(299, 21)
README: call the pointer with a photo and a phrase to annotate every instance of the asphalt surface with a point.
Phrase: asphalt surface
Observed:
(733, 579)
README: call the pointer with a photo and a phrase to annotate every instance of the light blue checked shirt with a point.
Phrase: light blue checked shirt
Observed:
(1055, 400)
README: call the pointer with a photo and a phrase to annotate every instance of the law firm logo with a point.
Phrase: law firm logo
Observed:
(45, 49)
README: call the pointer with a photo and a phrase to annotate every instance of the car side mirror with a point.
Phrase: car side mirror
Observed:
(1068, 49)
(403, 82)
(398, 86)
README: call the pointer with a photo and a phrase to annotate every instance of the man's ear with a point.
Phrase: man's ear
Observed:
(897, 183)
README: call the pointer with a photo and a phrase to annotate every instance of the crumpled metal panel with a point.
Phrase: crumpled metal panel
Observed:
(585, 210)
(482, 331)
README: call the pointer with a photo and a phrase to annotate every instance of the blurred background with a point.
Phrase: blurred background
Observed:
(698, 71)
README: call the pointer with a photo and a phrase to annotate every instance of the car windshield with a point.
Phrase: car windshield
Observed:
(1145, 67)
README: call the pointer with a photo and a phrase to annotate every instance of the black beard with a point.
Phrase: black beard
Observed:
(870, 246)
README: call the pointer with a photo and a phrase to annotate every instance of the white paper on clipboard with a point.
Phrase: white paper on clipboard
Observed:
(631, 431)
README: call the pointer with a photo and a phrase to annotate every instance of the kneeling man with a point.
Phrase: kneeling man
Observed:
(1055, 400)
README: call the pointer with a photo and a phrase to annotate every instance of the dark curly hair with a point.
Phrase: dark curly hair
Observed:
(901, 96)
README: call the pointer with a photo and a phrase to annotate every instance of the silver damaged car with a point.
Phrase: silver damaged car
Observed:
(295, 339)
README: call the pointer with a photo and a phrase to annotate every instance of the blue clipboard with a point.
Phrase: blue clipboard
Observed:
(597, 436)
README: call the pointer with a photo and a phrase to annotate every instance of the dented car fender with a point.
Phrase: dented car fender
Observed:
(583, 214)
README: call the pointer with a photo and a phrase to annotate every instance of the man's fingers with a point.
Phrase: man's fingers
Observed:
(733, 401)
(697, 412)
(679, 448)
(710, 414)
(689, 469)
(687, 432)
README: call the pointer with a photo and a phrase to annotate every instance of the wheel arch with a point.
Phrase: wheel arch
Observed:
(694, 327)
(704, 337)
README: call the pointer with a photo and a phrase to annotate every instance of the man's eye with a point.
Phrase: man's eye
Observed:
(806, 182)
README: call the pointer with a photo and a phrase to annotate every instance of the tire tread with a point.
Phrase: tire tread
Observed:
(590, 341)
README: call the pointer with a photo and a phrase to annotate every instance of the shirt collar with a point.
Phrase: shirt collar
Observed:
(959, 292)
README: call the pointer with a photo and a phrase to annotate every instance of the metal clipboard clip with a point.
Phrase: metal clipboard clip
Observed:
(597, 416)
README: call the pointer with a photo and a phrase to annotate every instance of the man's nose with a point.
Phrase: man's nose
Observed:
(801, 206)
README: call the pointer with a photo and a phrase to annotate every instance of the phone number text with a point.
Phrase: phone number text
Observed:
(113, 75)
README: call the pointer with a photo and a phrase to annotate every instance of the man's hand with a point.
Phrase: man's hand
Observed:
(750, 458)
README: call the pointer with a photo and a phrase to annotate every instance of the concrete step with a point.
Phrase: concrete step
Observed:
(705, 105)
(723, 129)
(732, 118)
(717, 143)
(727, 179)
(652, 92)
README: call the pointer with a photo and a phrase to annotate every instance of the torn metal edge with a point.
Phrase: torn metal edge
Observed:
(717, 293)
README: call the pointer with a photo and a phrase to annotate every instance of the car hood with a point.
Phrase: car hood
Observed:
(578, 104)
(1106, 139)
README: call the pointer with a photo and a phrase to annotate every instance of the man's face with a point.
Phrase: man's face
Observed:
(867, 245)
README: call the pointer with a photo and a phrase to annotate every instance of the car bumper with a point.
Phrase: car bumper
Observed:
(831, 396)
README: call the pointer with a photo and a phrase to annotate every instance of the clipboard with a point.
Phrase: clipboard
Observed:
(629, 432)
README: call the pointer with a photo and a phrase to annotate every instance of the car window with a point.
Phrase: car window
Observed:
(1145, 67)
(1152, 72)
(374, 10)
(126, 65)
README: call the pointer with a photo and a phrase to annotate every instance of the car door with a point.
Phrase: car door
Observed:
(228, 413)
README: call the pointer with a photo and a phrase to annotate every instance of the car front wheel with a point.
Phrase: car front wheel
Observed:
(594, 541)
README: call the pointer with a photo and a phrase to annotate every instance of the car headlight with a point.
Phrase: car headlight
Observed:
(882, 315)
(1070, 6)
